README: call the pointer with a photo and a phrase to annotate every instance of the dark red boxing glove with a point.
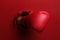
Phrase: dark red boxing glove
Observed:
(39, 20)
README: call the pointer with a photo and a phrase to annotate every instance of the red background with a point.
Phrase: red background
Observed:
(9, 8)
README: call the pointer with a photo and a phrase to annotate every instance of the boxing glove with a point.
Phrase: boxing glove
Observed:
(37, 21)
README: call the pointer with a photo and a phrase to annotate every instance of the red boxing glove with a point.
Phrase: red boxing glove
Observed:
(38, 20)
